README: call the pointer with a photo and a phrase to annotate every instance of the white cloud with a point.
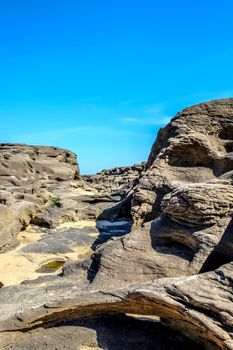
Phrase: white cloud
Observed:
(148, 121)
(149, 115)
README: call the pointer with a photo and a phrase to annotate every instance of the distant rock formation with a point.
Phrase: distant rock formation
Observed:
(23, 164)
(115, 179)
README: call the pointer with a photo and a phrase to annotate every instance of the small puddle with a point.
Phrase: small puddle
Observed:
(51, 266)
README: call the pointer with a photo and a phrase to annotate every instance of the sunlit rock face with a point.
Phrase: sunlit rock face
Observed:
(27, 175)
(184, 201)
(196, 146)
(23, 164)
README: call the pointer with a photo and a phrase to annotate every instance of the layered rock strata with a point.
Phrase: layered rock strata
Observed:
(176, 263)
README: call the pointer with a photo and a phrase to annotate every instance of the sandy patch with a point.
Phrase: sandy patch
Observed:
(85, 347)
(17, 266)
(76, 224)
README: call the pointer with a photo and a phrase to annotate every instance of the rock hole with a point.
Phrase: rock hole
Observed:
(50, 266)
(226, 133)
(229, 146)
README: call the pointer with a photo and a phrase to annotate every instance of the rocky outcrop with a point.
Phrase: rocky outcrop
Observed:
(200, 306)
(196, 146)
(115, 179)
(175, 264)
(187, 190)
(194, 227)
(115, 185)
(113, 332)
(27, 177)
(23, 164)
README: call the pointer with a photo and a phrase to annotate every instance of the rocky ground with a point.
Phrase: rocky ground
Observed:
(88, 262)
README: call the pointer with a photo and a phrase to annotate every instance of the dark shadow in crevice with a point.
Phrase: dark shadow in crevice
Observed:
(109, 332)
(93, 268)
(119, 211)
(222, 253)
(118, 222)
(156, 207)
(169, 237)
(226, 133)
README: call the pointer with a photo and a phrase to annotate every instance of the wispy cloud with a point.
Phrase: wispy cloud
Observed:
(126, 103)
(153, 115)
(147, 121)
(53, 135)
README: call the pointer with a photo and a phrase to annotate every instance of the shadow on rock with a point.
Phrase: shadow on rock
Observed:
(222, 253)
(108, 230)
(106, 332)
(169, 237)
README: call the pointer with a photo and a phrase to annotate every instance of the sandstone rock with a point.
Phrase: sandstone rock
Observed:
(199, 306)
(74, 206)
(196, 146)
(27, 176)
(111, 180)
(176, 263)
(101, 332)
(193, 227)
(22, 164)
(9, 227)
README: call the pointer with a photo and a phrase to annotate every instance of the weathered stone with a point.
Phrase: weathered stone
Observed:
(176, 263)
(199, 306)
(115, 179)
(22, 164)
(114, 332)
(196, 146)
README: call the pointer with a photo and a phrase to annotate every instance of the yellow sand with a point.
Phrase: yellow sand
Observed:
(17, 266)
(76, 224)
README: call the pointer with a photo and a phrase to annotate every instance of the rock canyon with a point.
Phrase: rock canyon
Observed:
(136, 257)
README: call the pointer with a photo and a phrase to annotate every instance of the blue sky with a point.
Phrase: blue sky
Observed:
(100, 77)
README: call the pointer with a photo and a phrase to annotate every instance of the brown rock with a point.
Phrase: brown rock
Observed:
(196, 146)
(199, 306)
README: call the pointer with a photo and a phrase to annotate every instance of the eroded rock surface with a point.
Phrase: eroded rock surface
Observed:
(42, 186)
(200, 306)
(102, 332)
(22, 164)
(26, 174)
(176, 263)
(196, 146)
(115, 179)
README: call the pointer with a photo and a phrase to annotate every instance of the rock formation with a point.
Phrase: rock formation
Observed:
(38, 185)
(176, 263)
(26, 174)
(22, 164)
(115, 179)
(196, 146)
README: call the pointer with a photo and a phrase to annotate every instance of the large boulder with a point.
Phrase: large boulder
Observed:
(189, 199)
(196, 146)
(28, 175)
(22, 164)
(199, 306)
